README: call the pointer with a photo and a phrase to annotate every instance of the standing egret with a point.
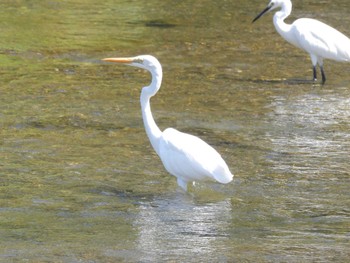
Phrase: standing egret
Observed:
(183, 155)
(318, 39)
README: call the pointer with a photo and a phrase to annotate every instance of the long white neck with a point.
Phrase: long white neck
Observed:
(282, 28)
(152, 130)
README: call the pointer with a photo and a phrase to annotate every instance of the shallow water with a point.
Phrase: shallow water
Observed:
(79, 181)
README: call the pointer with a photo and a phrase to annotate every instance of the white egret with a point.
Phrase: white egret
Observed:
(318, 39)
(183, 155)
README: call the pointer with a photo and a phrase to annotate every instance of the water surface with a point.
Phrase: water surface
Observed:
(79, 181)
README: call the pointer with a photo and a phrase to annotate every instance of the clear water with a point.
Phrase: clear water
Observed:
(79, 181)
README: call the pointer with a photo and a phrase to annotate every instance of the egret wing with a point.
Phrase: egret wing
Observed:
(190, 158)
(321, 40)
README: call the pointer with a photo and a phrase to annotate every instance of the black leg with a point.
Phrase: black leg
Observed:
(323, 75)
(315, 73)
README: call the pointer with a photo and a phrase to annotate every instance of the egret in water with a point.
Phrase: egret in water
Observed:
(318, 39)
(183, 155)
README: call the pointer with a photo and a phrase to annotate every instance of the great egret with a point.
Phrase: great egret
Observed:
(318, 39)
(183, 155)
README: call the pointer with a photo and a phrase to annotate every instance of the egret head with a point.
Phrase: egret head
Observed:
(273, 5)
(147, 62)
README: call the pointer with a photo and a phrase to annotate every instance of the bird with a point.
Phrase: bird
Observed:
(320, 40)
(183, 155)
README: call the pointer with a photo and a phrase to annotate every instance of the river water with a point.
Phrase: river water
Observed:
(79, 181)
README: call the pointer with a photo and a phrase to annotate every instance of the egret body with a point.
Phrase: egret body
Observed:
(318, 39)
(183, 155)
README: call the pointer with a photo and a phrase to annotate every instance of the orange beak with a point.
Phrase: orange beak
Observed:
(119, 60)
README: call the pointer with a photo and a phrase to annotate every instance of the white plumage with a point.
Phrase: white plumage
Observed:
(183, 155)
(191, 159)
(318, 39)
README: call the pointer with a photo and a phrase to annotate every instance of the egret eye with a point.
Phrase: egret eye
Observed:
(138, 60)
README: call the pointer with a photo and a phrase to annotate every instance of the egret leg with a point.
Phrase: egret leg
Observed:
(182, 184)
(315, 73)
(320, 63)
(323, 75)
(314, 60)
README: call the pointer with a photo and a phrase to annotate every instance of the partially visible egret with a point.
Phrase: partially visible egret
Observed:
(318, 39)
(183, 155)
